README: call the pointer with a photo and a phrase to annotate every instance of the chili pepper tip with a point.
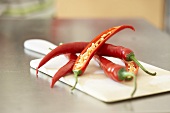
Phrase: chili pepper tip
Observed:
(37, 72)
(52, 83)
(137, 62)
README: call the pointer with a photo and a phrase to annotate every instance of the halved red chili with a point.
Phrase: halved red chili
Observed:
(89, 51)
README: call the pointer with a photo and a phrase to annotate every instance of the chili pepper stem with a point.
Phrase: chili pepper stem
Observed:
(76, 78)
(50, 49)
(137, 62)
(135, 84)
(126, 75)
(76, 74)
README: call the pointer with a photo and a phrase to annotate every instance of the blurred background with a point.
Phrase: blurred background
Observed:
(157, 12)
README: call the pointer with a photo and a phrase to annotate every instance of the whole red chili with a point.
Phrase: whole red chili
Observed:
(89, 51)
(63, 71)
(123, 53)
(74, 47)
(116, 71)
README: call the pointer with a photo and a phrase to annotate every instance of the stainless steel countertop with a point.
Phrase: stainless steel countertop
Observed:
(22, 92)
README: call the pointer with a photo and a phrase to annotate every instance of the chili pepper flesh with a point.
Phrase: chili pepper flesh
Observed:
(89, 51)
(131, 66)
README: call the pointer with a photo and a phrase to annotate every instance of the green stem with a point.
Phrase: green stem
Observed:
(127, 75)
(135, 86)
(50, 49)
(137, 62)
(76, 77)
(76, 74)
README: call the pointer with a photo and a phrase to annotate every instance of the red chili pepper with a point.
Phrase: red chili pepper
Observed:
(89, 51)
(123, 53)
(116, 71)
(74, 47)
(63, 71)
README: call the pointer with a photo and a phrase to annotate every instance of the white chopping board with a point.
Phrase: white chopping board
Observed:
(95, 83)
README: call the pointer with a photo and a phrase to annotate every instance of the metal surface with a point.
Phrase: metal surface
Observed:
(22, 92)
